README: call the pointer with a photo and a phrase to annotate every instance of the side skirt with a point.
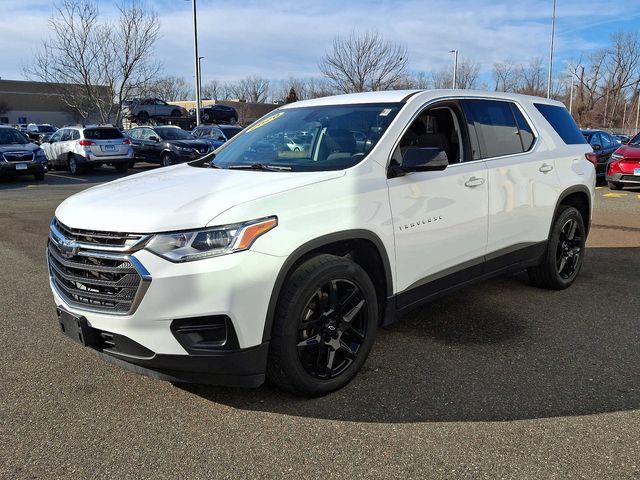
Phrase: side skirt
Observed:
(509, 260)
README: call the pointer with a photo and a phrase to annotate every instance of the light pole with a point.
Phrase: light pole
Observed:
(200, 78)
(553, 31)
(197, 61)
(455, 67)
(571, 97)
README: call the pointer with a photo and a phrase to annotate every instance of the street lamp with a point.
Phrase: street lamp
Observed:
(455, 67)
(553, 31)
(200, 78)
(197, 60)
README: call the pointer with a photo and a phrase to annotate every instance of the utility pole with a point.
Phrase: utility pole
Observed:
(197, 61)
(553, 31)
(571, 97)
(200, 78)
(455, 67)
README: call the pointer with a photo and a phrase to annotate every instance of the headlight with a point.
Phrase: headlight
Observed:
(616, 156)
(184, 149)
(39, 154)
(210, 242)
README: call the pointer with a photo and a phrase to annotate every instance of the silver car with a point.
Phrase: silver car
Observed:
(143, 109)
(75, 148)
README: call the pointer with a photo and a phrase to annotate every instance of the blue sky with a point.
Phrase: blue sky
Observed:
(278, 39)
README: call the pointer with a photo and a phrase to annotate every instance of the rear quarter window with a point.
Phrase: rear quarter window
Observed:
(102, 133)
(562, 122)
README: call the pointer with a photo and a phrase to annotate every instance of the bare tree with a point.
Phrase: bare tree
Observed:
(468, 73)
(96, 64)
(507, 76)
(215, 90)
(250, 89)
(362, 62)
(170, 88)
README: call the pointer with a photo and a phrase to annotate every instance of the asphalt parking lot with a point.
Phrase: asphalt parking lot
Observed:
(500, 380)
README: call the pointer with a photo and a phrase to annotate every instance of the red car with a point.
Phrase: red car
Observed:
(624, 167)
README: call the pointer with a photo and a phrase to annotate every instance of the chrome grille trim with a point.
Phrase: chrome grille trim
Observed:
(111, 241)
(89, 279)
(18, 157)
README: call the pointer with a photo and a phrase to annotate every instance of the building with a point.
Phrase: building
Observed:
(35, 102)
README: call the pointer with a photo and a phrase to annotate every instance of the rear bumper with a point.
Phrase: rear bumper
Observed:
(90, 159)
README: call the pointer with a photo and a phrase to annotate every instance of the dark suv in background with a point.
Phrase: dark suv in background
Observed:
(19, 155)
(603, 145)
(217, 113)
(166, 145)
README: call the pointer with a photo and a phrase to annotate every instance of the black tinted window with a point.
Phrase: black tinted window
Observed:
(526, 134)
(102, 133)
(496, 127)
(562, 122)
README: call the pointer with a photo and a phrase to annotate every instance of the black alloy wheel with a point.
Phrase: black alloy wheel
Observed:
(569, 249)
(332, 329)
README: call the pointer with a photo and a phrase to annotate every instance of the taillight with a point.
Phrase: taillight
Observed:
(126, 141)
(592, 157)
(86, 143)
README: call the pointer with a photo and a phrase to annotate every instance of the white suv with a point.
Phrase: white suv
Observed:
(262, 262)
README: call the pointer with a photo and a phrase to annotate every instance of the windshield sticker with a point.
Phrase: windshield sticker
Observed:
(385, 112)
(262, 123)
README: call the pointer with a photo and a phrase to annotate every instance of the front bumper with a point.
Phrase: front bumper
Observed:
(624, 178)
(10, 168)
(237, 286)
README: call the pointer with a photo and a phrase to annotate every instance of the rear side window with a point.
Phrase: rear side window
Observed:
(102, 133)
(562, 122)
(526, 134)
(496, 126)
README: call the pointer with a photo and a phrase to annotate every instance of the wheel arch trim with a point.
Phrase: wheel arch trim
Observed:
(570, 191)
(312, 245)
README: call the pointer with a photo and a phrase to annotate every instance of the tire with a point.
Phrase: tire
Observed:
(233, 121)
(166, 159)
(52, 166)
(176, 113)
(39, 176)
(122, 167)
(553, 272)
(132, 163)
(72, 165)
(323, 354)
(142, 117)
(206, 118)
(615, 185)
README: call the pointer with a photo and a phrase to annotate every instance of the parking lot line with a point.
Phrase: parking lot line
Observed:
(67, 177)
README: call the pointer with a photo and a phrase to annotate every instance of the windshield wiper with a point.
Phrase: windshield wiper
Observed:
(259, 166)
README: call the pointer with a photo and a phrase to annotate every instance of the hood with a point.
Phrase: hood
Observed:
(29, 147)
(188, 143)
(175, 198)
(629, 151)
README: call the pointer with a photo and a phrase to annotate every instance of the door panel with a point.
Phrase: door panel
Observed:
(439, 221)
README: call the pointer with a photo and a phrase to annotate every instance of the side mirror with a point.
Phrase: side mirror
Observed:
(596, 147)
(426, 159)
(153, 138)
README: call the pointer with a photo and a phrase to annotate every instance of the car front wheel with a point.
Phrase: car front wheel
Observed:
(166, 159)
(324, 326)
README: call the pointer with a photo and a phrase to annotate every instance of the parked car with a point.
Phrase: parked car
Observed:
(254, 263)
(624, 139)
(210, 134)
(142, 109)
(19, 155)
(229, 131)
(603, 145)
(217, 113)
(40, 132)
(166, 145)
(77, 148)
(624, 167)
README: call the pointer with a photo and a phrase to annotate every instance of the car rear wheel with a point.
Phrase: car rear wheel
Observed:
(233, 120)
(143, 117)
(324, 326)
(206, 118)
(175, 113)
(614, 185)
(72, 165)
(166, 159)
(564, 254)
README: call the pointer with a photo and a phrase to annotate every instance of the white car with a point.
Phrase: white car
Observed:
(77, 148)
(251, 263)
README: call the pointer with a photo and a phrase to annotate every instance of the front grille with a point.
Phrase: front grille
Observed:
(16, 157)
(98, 238)
(90, 279)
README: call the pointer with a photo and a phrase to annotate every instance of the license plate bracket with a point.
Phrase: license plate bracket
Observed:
(108, 148)
(77, 329)
(21, 166)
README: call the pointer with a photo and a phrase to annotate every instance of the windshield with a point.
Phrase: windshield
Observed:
(635, 140)
(9, 136)
(321, 138)
(169, 133)
(46, 128)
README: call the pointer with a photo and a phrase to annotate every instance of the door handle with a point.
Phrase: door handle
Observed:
(545, 168)
(474, 182)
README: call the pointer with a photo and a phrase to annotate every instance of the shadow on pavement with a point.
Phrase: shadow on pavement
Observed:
(497, 351)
